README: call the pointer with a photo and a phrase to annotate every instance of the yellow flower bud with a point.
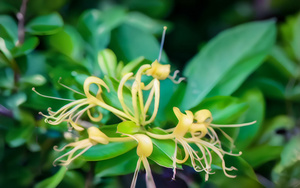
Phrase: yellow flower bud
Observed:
(198, 130)
(96, 136)
(145, 145)
(159, 71)
(184, 122)
(203, 116)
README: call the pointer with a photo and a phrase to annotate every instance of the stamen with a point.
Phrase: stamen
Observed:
(172, 78)
(162, 43)
(50, 97)
(67, 87)
(149, 178)
(234, 125)
(133, 183)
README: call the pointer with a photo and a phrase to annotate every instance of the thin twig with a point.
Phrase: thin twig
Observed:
(21, 22)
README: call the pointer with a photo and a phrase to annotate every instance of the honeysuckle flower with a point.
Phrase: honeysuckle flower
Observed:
(95, 137)
(198, 125)
(144, 150)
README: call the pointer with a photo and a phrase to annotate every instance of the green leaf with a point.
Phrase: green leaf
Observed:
(45, 25)
(28, 46)
(255, 112)
(5, 51)
(290, 34)
(128, 127)
(34, 80)
(54, 180)
(145, 22)
(102, 152)
(270, 87)
(287, 171)
(226, 61)
(111, 97)
(269, 133)
(132, 65)
(224, 109)
(283, 63)
(9, 29)
(245, 175)
(130, 43)
(163, 150)
(107, 61)
(90, 26)
(19, 135)
(73, 179)
(261, 154)
(67, 41)
(120, 165)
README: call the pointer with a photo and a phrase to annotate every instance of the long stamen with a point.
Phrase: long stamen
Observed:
(234, 125)
(162, 43)
(172, 78)
(149, 178)
(50, 97)
(133, 183)
(67, 87)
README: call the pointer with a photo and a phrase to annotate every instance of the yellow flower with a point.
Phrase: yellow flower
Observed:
(198, 125)
(144, 150)
(95, 137)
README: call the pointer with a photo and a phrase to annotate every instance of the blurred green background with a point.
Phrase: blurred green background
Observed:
(63, 38)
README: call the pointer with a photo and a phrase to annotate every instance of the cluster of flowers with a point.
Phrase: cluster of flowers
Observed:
(192, 129)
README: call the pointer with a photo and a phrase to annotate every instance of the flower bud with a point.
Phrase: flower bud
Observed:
(159, 71)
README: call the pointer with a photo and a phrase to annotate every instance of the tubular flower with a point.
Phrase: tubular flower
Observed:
(144, 150)
(197, 132)
(95, 137)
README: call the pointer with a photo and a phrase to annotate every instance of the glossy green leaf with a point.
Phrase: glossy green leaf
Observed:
(102, 152)
(34, 80)
(54, 180)
(261, 154)
(8, 29)
(107, 61)
(224, 109)
(128, 127)
(111, 97)
(90, 26)
(290, 34)
(245, 175)
(269, 133)
(130, 43)
(283, 63)
(146, 23)
(255, 112)
(45, 25)
(270, 87)
(67, 41)
(120, 165)
(19, 135)
(163, 150)
(132, 65)
(28, 46)
(224, 63)
(5, 51)
(72, 179)
(286, 173)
